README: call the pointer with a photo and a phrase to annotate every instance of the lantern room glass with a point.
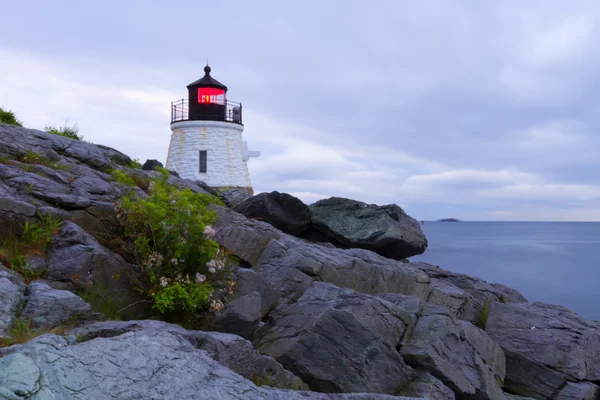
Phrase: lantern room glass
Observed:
(211, 96)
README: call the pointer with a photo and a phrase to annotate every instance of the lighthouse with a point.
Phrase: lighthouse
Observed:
(206, 139)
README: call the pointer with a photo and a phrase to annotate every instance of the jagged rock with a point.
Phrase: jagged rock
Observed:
(469, 297)
(338, 340)
(253, 298)
(74, 255)
(234, 196)
(228, 350)
(579, 391)
(283, 211)
(12, 290)
(47, 307)
(287, 280)
(428, 387)
(387, 230)
(545, 346)
(461, 355)
(141, 364)
(150, 165)
(244, 237)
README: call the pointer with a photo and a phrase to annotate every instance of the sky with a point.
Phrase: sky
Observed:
(478, 110)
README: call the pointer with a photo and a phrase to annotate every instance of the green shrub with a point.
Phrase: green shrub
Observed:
(171, 237)
(122, 178)
(71, 132)
(135, 164)
(9, 117)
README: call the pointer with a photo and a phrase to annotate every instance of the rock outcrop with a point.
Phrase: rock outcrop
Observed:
(140, 364)
(338, 340)
(344, 317)
(386, 230)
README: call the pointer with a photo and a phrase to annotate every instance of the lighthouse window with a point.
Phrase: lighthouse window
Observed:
(203, 159)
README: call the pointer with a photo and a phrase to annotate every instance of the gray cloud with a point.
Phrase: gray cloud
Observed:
(483, 110)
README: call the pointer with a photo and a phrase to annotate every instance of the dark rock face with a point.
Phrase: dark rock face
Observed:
(386, 230)
(338, 340)
(546, 347)
(150, 165)
(234, 196)
(12, 291)
(427, 386)
(283, 211)
(252, 300)
(47, 307)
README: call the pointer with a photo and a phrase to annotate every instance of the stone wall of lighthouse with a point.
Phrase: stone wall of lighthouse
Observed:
(226, 153)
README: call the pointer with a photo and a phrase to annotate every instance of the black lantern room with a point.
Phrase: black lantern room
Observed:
(207, 100)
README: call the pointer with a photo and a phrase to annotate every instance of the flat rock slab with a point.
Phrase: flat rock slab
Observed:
(386, 230)
(135, 365)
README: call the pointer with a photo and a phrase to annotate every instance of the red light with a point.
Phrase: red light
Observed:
(210, 95)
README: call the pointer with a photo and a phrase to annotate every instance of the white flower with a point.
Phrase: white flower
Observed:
(212, 270)
(216, 305)
(174, 261)
(164, 281)
(209, 231)
(200, 278)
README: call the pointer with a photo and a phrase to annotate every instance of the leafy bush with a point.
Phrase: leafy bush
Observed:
(171, 236)
(9, 117)
(71, 132)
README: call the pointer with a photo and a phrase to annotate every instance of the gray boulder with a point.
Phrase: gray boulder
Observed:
(252, 299)
(12, 291)
(283, 211)
(141, 364)
(338, 340)
(47, 307)
(234, 196)
(228, 350)
(386, 230)
(546, 346)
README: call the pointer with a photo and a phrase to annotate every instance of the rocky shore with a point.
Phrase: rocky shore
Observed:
(327, 304)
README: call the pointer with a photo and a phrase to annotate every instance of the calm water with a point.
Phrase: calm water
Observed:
(552, 262)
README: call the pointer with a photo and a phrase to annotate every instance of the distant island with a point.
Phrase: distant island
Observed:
(448, 220)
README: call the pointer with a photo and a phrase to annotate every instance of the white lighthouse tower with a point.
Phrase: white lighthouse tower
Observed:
(206, 143)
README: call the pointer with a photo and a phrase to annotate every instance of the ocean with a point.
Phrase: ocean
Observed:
(551, 262)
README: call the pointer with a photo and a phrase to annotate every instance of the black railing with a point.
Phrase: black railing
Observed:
(223, 110)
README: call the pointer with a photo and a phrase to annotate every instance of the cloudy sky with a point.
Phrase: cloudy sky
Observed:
(481, 110)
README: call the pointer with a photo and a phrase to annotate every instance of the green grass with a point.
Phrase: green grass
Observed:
(9, 117)
(22, 331)
(32, 240)
(71, 132)
(104, 301)
(485, 313)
